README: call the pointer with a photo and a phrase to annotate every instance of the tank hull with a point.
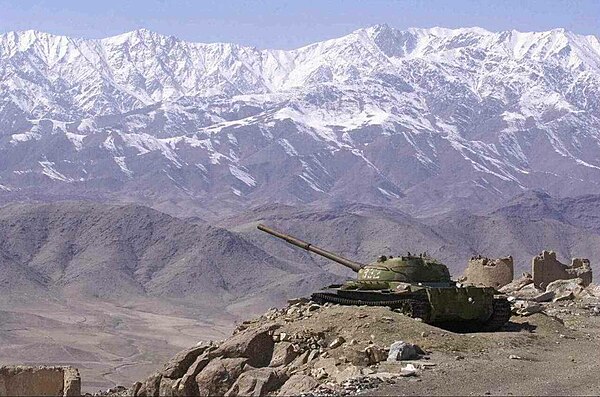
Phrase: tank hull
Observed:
(434, 305)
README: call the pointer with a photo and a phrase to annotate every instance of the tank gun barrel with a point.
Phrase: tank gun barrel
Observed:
(356, 266)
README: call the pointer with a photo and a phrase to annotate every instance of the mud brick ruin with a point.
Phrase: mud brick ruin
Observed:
(489, 272)
(39, 381)
(545, 268)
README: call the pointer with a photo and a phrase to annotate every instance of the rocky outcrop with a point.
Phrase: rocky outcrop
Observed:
(489, 272)
(545, 269)
(179, 364)
(298, 384)
(527, 299)
(256, 345)
(274, 355)
(565, 289)
(218, 376)
(39, 381)
(258, 382)
(283, 354)
(517, 284)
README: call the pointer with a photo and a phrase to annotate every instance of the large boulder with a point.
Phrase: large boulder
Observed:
(187, 385)
(298, 362)
(517, 284)
(565, 289)
(283, 354)
(257, 382)
(400, 350)
(254, 344)
(528, 292)
(347, 373)
(297, 384)
(219, 375)
(177, 366)
(150, 387)
(168, 387)
(545, 296)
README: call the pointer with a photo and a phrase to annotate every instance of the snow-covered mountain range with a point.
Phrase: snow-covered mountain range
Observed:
(423, 119)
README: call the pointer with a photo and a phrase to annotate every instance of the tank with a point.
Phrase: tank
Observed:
(414, 284)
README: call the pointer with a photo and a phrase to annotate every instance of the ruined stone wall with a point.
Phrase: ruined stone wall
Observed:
(545, 268)
(490, 272)
(39, 381)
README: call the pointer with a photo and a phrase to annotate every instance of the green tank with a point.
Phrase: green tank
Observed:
(416, 285)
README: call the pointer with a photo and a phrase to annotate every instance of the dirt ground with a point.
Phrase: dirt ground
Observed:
(553, 359)
(556, 354)
(110, 344)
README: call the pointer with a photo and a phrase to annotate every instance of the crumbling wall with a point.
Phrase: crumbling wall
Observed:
(489, 272)
(545, 268)
(39, 381)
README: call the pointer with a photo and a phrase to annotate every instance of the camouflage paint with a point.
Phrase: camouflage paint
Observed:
(464, 303)
(405, 269)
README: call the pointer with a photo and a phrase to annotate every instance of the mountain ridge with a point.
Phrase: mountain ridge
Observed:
(427, 120)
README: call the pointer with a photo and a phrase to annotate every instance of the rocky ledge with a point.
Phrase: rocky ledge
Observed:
(323, 350)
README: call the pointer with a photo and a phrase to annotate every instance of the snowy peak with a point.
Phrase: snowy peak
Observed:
(380, 115)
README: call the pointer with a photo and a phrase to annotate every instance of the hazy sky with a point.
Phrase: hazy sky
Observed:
(289, 24)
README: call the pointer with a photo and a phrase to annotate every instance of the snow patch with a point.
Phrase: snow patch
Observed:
(242, 175)
(308, 179)
(24, 137)
(388, 193)
(287, 146)
(76, 140)
(120, 160)
(50, 172)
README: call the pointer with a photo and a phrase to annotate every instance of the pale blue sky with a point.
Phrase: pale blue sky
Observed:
(289, 24)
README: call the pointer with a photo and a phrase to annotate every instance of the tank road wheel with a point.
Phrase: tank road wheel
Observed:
(410, 307)
(415, 309)
(500, 315)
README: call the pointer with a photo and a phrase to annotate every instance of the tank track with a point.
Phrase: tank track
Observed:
(411, 307)
(500, 315)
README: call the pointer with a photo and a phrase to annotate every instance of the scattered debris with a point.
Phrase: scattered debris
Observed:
(376, 354)
(517, 284)
(565, 289)
(409, 370)
(526, 308)
(337, 342)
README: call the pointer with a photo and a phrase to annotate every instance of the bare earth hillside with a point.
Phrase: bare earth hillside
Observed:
(116, 289)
